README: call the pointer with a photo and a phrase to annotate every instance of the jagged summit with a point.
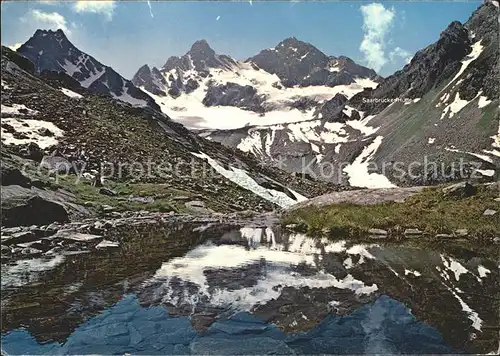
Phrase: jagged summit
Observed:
(201, 45)
(291, 41)
(41, 32)
(50, 41)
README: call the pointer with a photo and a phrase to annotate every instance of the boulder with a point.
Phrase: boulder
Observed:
(142, 200)
(489, 212)
(13, 176)
(460, 190)
(34, 210)
(19, 238)
(444, 236)
(378, 232)
(107, 244)
(197, 206)
(108, 192)
(76, 236)
(412, 232)
(32, 151)
(27, 207)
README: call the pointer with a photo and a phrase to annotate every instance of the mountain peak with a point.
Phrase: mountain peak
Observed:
(200, 46)
(454, 29)
(56, 34)
(51, 51)
(144, 69)
(293, 42)
(48, 40)
(292, 39)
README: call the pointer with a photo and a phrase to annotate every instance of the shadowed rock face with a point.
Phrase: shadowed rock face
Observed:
(147, 78)
(428, 69)
(436, 64)
(52, 51)
(232, 94)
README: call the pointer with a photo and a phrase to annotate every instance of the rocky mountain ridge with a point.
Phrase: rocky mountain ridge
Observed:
(278, 85)
(441, 108)
(47, 127)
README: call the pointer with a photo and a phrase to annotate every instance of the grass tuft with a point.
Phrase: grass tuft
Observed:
(430, 211)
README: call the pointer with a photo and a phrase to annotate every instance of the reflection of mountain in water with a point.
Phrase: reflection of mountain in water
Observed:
(384, 326)
(299, 284)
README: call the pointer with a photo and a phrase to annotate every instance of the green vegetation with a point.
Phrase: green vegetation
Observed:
(489, 120)
(162, 194)
(430, 211)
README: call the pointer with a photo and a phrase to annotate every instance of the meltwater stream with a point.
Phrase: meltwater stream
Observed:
(248, 290)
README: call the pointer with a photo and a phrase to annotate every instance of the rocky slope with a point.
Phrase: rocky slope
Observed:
(151, 162)
(203, 89)
(440, 108)
(52, 51)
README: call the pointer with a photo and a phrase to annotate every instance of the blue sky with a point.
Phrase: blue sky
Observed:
(126, 35)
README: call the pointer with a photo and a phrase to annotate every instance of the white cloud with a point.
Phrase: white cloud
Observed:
(46, 20)
(377, 22)
(101, 7)
(150, 10)
(15, 46)
(48, 2)
(401, 53)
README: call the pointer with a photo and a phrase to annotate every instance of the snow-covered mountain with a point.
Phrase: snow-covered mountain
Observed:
(203, 89)
(440, 108)
(52, 51)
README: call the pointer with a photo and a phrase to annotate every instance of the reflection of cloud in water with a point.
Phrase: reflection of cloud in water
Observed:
(26, 271)
(278, 261)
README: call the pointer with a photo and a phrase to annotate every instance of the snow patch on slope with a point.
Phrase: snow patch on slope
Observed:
(453, 108)
(478, 155)
(92, 78)
(359, 176)
(32, 132)
(477, 49)
(71, 93)
(241, 178)
(17, 109)
(483, 102)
